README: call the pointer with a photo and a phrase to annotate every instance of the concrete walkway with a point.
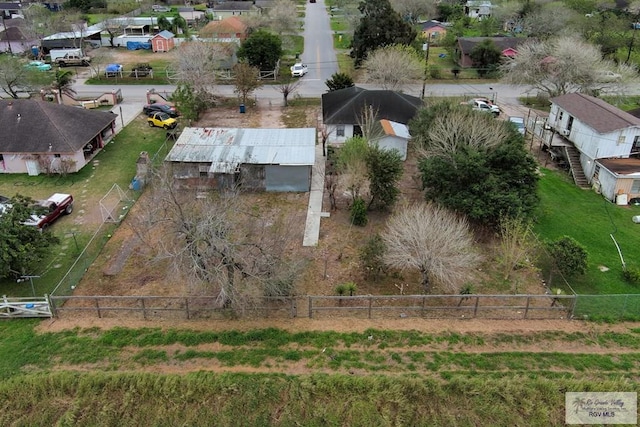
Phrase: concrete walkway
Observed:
(314, 211)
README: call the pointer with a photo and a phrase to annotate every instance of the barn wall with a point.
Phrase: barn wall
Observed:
(288, 178)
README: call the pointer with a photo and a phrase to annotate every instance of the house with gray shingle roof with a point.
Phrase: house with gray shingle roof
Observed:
(43, 137)
(606, 138)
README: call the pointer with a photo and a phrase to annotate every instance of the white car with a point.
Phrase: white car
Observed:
(483, 105)
(299, 70)
(518, 122)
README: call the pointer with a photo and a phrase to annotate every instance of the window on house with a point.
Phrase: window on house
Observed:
(1, 158)
(635, 187)
(340, 130)
(560, 114)
(621, 139)
(57, 156)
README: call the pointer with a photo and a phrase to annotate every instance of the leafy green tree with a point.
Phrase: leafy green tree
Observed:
(188, 101)
(358, 213)
(339, 81)
(262, 50)
(486, 57)
(570, 256)
(384, 169)
(448, 12)
(379, 26)
(14, 79)
(22, 247)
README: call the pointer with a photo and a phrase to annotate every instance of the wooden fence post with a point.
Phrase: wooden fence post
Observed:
(424, 304)
(144, 310)
(370, 302)
(293, 306)
(52, 306)
(310, 307)
(526, 309)
(186, 307)
(98, 308)
(475, 309)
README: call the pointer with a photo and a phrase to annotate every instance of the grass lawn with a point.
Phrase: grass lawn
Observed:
(115, 164)
(591, 220)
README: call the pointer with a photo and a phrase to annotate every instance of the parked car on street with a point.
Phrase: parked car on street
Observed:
(518, 122)
(161, 120)
(38, 65)
(163, 108)
(299, 70)
(45, 212)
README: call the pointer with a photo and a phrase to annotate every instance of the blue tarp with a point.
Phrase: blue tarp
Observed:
(113, 68)
(138, 45)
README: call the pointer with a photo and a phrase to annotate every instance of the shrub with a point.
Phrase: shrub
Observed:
(570, 257)
(350, 287)
(372, 257)
(341, 290)
(435, 73)
(632, 275)
(359, 212)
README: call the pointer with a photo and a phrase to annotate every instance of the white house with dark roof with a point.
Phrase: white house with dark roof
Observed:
(607, 140)
(256, 159)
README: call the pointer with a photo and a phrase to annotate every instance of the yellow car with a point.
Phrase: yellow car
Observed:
(161, 120)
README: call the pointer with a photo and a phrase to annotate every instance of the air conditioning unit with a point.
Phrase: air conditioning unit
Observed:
(566, 132)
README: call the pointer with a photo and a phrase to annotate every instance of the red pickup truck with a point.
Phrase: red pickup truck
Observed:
(47, 211)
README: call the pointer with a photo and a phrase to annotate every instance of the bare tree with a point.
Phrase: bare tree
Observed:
(216, 243)
(460, 128)
(197, 63)
(287, 87)
(246, 80)
(549, 20)
(563, 65)
(13, 78)
(283, 17)
(413, 10)
(432, 240)
(324, 134)
(370, 124)
(516, 244)
(99, 59)
(114, 27)
(392, 67)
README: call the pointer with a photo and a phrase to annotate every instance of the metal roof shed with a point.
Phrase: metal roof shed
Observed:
(277, 159)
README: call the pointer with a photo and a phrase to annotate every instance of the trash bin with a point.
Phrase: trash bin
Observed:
(242, 110)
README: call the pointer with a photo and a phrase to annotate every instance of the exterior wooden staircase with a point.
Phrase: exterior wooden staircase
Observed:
(573, 158)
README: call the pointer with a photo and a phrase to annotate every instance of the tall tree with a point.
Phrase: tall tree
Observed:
(384, 170)
(63, 84)
(352, 165)
(283, 18)
(339, 81)
(413, 10)
(262, 50)
(13, 78)
(246, 80)
(288, 86)
(486, 57)
(379, 26)
(22, 247)
(392, 67)
(562, 65)
(433, 240)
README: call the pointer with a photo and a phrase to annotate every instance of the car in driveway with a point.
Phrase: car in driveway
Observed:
(38, 65)
(299, 69)
(162, 108)
(161, 120)
(484, 105)
(518, 122)
(45, 212)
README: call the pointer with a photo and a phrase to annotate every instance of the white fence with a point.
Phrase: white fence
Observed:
(11, 307)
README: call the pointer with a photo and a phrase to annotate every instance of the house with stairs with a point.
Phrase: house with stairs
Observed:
(600, 144)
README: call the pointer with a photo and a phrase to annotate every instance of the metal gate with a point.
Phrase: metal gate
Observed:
(11, 307)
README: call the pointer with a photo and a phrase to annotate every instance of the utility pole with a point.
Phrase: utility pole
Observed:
(425, 47)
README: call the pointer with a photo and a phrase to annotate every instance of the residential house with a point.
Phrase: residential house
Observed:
(255, 159)
(507, 45)
(43, 137)
(164, 41)
(478, 9)
(234, 8)
(190, 14)
(342, 110)
(9, 10)
(229, 29)
(13, 37)
(395, 136)
(601, 143)
(433, 31)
